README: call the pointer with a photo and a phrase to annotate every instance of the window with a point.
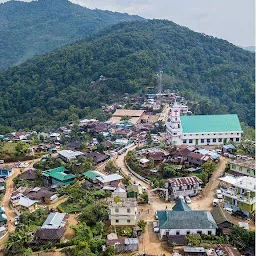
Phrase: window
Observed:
(184, 141)
(188, 232)
(199, 232)
(213, 140)
(180, 188)
(231, 139)
(220, 139)
(190, 135)
(177, 233)
(233, 166)
(178, 125)
(128, 221)
(116, 210)
(248, 171)
(202, 140)
(128, 210)
(237, 133)
(214, 134)
(117, 221)
(237, 139)
(175, 133)
(208, 140)
(209, 232)
(190, 141)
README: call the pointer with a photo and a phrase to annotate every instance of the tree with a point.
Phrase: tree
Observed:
(21, 148)
(142, 224)
(110, 251)
(111, 167)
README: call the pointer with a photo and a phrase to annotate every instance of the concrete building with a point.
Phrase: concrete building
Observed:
(239, 193)
(201, 129)
(182, 221)
(123, 212)
(184, 186)
(68, 155)
(244, 167)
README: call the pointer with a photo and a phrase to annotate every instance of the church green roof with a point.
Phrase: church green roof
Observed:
(210, 123)
(181, 206)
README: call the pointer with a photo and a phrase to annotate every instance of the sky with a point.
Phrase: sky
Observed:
(232, 20)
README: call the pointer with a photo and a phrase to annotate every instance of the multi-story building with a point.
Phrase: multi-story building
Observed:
(201, 129)
(239, 193)
(245, 167)
(184, 186)
(123, 211)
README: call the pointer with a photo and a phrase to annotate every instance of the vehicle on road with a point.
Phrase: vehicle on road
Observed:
(182, 198)
(155, 227)
(16, 221)
(156, 216)
(188, 200)
(240, 214)
(215, 202)
(229, 210)
(219, 194)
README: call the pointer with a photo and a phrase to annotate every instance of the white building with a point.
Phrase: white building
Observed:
(123, 212)
(202, 129)
(182, 221)
(184, 186)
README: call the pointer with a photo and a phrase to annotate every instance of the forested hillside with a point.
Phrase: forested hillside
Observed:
(57, 87)
(29, 29)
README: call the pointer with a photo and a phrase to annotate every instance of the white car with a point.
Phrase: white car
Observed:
(219, 194)
(215, 202)
(229, 210)
(156, 216)
(182, 198)
(188, 200)
(155, 227)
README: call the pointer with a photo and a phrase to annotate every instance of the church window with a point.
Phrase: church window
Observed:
(190, 141)
(213, 140)
(231, 139)
(208, 140)
(178, 125)
(202, 140)
(220, 139)
(237, 139)
(184, 141)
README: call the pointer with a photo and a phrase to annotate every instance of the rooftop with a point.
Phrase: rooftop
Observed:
(245, 182)
(181, 206)
(176, 182)
(58, 173)
(92, 175)
(210, 123)
(54, 220)
(110, 178)
(69, 154)
(185, 220)
(128, 112)
(244, 163)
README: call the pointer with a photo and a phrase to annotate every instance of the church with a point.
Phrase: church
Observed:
(202, 129)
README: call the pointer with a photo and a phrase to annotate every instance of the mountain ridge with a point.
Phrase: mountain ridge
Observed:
(34, 28)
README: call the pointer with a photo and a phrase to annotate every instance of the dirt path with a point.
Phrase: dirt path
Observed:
(56, 204)
(9, 184)
(204, 202)
(70, 233)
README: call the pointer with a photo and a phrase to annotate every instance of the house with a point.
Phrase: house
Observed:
(30, 174)
(197, 159)
(3, 217)
(2, 185)
(197, 251)
(68, 155)
(144, 162)
(182, 221)
(53, 228)
(185, 186)
(181, 154)
(223, 220)
(22, 202)
(111, 180)
(124, 245)
(133, 115)
(239, 193)
(5, 171)
(120, 193)
(227, 148)
(134, 190)
(123, 212)
(202, 129)
(58, 176)
(93, 175)
(97, 157)
(243, 167)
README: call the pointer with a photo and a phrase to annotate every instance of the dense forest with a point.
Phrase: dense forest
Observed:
(58, 87)
(35, 28)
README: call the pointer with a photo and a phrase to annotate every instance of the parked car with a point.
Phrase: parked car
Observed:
(16, 221)
(219, 194)
(1, 161)
(240, 214)
(215, 202)
(188, 200)
(229, 210)
(155, 227)
(156, 216)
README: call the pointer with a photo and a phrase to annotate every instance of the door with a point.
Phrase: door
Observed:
(196, 141)
(225, 141)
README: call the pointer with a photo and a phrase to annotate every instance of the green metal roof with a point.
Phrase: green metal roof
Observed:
(185, 220)
(3, 218)
(181, 206)
(210, 123)
(92, 175)
(58, 173)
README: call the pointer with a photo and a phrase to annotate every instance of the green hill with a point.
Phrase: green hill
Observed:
(57, 87)
(35, 28)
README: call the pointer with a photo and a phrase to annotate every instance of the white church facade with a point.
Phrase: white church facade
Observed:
(202, 129)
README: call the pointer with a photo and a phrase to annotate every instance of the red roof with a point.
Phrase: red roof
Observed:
(184, 181)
